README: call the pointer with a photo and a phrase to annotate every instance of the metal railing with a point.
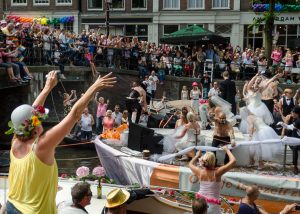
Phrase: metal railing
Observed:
(122, 58)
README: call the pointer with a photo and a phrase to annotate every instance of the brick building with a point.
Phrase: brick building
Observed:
(45, 8)
(127, 17)
(152, 19)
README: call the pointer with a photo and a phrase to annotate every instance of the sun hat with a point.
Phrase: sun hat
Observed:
(195, 84)
(116, 198)
(24, 118)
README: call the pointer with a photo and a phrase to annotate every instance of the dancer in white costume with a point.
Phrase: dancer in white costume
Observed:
(183, 137)
(255, 105)
(189, 133)
(259, 131)
(195, 96)
(243, 127)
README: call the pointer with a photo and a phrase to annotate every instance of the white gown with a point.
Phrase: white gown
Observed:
(195, 101)
(258, 108)
(263, 132)
(243, 127)
(188, 140)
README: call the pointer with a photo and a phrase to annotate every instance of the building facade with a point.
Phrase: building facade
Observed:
(152, 19)
(127, 17)
(45, 8)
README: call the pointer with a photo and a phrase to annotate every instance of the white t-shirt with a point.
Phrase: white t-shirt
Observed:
(147, 83)
(213, 92)
(46, 40)
(153, 82)
(86, 123)
(117, 117)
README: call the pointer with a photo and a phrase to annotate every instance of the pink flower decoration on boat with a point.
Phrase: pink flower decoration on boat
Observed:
(99, 171)
(64, 175)
(82, 171)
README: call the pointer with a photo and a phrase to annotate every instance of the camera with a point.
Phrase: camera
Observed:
(297, 207)
(58, 74)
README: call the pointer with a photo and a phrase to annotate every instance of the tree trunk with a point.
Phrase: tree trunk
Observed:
(268, 29)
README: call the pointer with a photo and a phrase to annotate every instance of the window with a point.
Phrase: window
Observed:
(18, 2)
(63, 2)
(118, 4)
(56, 26)
(220, 3)
(68, 26)
(199, 25)
(168, 29)
(171, 4)
(223, 28)
(95, 4)
(41, 2)
(139, 4)
(195, 4)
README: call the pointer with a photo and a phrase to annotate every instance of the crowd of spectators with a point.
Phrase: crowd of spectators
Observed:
(34, 44)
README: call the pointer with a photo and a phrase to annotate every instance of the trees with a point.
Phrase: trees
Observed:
(268, 19)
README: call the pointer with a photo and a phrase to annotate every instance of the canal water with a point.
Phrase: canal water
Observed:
(68, 159)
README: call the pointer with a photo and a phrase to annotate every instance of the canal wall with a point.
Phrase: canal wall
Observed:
(79, 79)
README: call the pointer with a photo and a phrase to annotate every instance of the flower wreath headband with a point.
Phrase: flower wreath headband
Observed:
(39, 114)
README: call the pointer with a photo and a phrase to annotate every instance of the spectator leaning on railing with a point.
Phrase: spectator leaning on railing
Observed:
(129, 53)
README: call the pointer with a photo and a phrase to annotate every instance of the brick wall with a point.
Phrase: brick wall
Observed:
(52, 6)
(245, 5)
(1, 8)
(127, 7)
(208, 4)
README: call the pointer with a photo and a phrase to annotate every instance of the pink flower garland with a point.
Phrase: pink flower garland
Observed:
(209, 200)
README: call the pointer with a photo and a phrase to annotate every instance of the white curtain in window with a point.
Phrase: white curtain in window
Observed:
(195, 4)
(220, 3)
(171, 3)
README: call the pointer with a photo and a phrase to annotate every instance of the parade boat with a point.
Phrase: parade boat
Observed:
(167, 202)
(277, 187)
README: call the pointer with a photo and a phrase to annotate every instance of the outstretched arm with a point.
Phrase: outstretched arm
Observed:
(250, 84)
(192, 165)
(54, 136)
(50, 84)
(75, 97)
(270, 81)
(223, 169)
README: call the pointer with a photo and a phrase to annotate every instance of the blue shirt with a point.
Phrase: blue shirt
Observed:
(246, 209)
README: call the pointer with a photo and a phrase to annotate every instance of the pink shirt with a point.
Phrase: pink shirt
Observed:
(276, 56)
(108, 123)
(101, 109)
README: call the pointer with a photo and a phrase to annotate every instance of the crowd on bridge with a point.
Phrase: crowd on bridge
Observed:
(32, 44)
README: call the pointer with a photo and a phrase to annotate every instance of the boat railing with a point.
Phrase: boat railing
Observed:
(3, 188)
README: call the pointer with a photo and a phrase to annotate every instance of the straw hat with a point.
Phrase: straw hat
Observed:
(116, 198)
